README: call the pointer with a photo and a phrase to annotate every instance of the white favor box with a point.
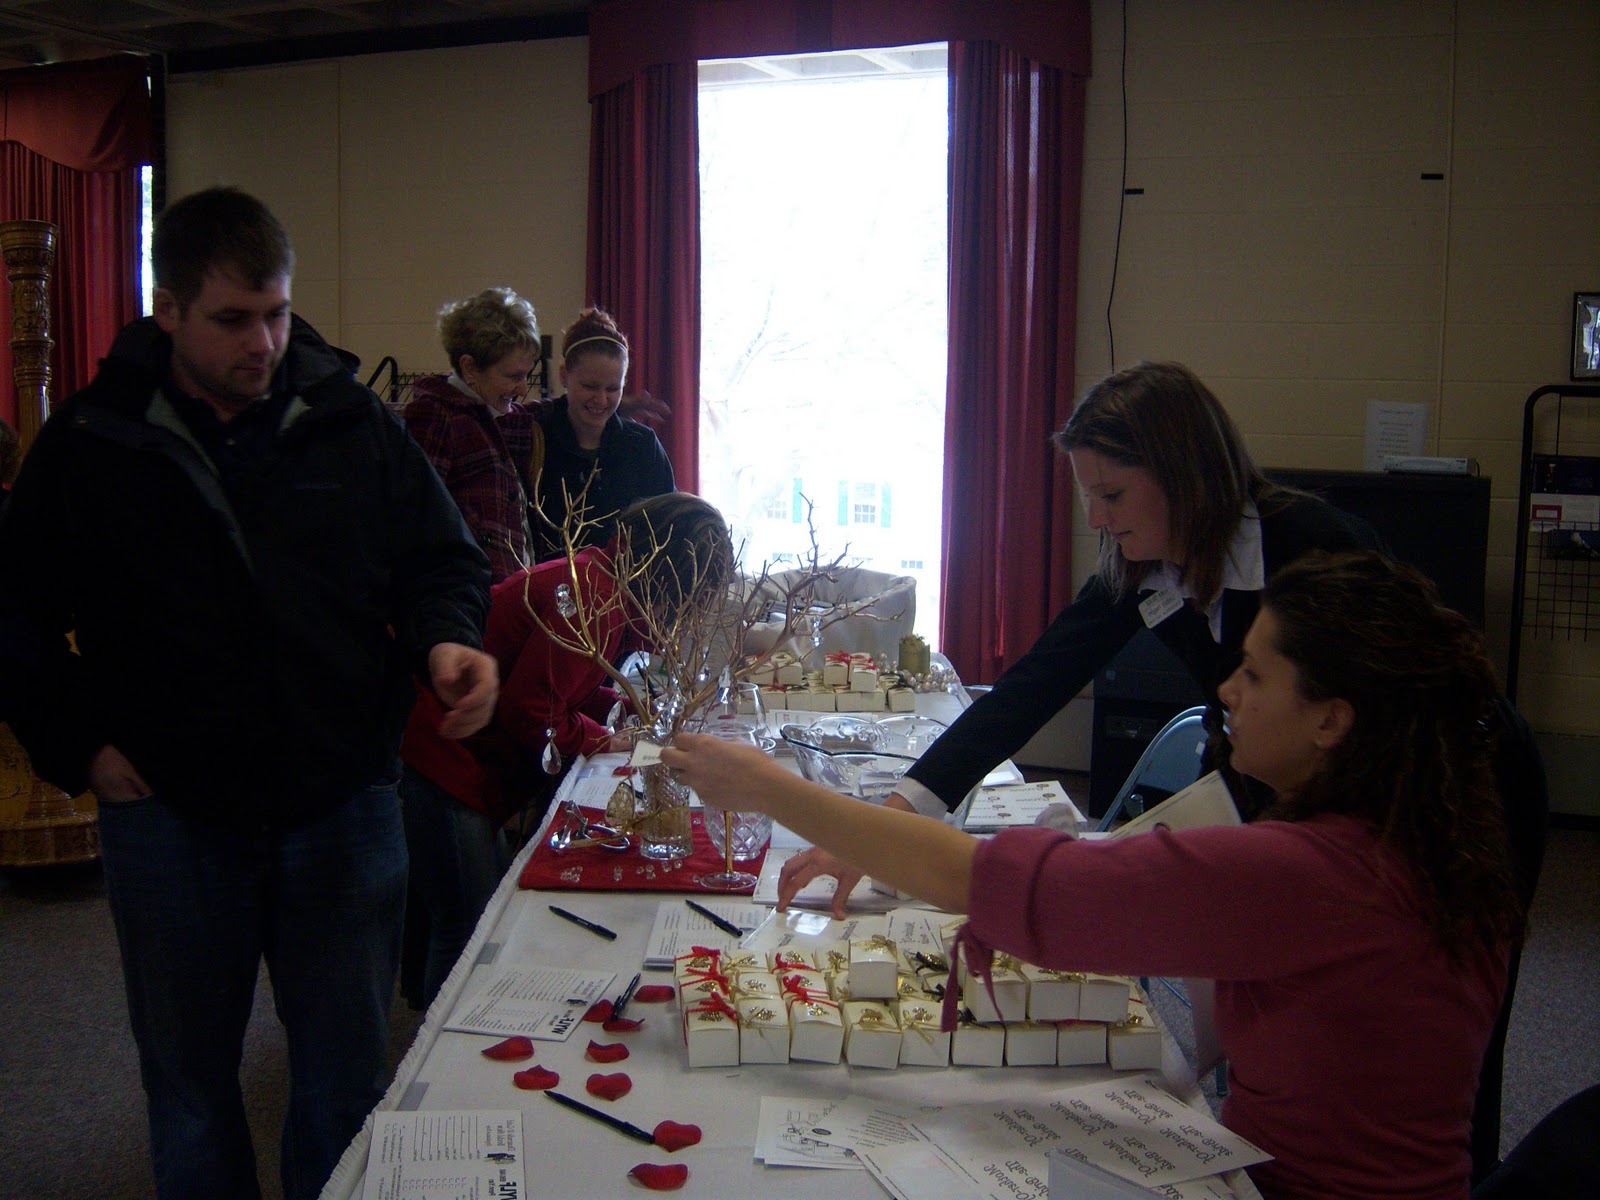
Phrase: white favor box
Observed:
(1104, 998)
(712, 1038)
(1081, 1044)
(756, 985)
(814, 982)
(855, 700)
(695, 991)
(863, 678)
(836, 673)
(763, 1032)
(1052, 995)
(685, 965)
(1010, 1002)
(834, 957)
(781, 962)
(1030, 1044)
(762, 674)
(871, 1035)
(774, 697)
(973, 1045)
(909, 987)
(922, 1044)
(806, 700)
(874, 968)
(839, 986)
(816, 1031)
(901, 699)
(735, 961)
(786, 669)
(947, 936)
(1134, 1044)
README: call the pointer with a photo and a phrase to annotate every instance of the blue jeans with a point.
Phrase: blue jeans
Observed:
(457, 861)
(196, 909)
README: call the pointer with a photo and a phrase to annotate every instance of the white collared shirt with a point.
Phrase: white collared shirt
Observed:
(1243, 570)
(465, 389)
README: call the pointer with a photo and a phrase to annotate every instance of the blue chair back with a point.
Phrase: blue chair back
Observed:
(1171, 762)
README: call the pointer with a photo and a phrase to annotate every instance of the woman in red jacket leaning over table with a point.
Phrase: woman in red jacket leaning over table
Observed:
(1357, 933)
(460, 794)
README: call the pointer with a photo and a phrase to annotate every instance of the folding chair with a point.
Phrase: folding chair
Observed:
(1170, 763)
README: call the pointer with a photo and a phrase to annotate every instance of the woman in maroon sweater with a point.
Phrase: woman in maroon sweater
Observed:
(1357, 934)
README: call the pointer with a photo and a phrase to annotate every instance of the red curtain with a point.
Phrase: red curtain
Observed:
(1016, 173)
(1015, 179)
(644, 241)
(72, 140)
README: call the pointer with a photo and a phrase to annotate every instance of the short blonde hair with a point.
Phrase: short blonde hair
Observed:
(488, 327)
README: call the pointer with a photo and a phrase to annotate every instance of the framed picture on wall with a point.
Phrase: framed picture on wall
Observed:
(1586, 335)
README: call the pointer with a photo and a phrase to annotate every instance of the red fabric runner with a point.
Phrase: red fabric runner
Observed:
(592, 869)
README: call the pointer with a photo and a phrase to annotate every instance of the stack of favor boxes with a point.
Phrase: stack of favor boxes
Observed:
(867, 1003)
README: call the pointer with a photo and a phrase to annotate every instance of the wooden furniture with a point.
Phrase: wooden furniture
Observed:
(29, 250)
(39, 823)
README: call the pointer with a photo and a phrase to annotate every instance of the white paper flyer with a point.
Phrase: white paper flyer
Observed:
(460, 1155)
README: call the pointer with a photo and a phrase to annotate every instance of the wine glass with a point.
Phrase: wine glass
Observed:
(740, 836)
(736, 715)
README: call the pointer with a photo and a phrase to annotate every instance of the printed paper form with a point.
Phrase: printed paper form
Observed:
(786, 1137)
(461, 1155)
(1011, 805)
(539, 1002)
(678, 928)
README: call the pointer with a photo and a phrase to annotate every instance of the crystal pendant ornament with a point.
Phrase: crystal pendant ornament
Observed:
(564, 602)
(550, 760)
(614, 716)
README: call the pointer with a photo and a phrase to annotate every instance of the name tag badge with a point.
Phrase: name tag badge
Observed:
(1158, 606)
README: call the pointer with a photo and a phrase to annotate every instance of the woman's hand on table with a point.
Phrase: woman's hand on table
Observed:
(816, 862)
(811, 864)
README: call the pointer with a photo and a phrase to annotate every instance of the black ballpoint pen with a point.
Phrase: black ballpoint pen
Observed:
(617, 1123)
(622, 1000)
(721, 923)
(589, 925)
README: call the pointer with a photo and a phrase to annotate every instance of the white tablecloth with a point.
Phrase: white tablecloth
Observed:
(570, 1157)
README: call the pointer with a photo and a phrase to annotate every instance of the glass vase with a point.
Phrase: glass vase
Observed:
(663, 815)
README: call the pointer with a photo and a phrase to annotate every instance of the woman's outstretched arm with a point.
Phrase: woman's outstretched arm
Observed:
(916, 854)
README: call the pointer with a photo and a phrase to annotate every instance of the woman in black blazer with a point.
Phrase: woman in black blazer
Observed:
(1189, 532)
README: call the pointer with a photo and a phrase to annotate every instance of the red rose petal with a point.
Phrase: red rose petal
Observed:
(609, 1087)
(621, 1025)
(513, 1049)
(661, 1177)
(672, 1136)
(535, 1079)
(615, 1052)
(653, 993)
(599, 1011)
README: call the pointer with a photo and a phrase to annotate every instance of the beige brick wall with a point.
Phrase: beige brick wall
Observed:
(1287, 248)
(406, 180)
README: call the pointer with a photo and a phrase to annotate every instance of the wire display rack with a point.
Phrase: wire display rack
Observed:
(1555, 591)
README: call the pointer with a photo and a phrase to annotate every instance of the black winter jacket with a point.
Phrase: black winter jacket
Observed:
(253, 657)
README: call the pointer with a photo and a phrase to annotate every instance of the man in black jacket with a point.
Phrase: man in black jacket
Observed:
(253, 560)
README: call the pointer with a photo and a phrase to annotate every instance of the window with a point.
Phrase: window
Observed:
(823, 198)
(147, 221)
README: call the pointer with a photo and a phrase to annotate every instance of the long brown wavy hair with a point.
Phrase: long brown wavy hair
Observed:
(1416, 761)
(1159, 416)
